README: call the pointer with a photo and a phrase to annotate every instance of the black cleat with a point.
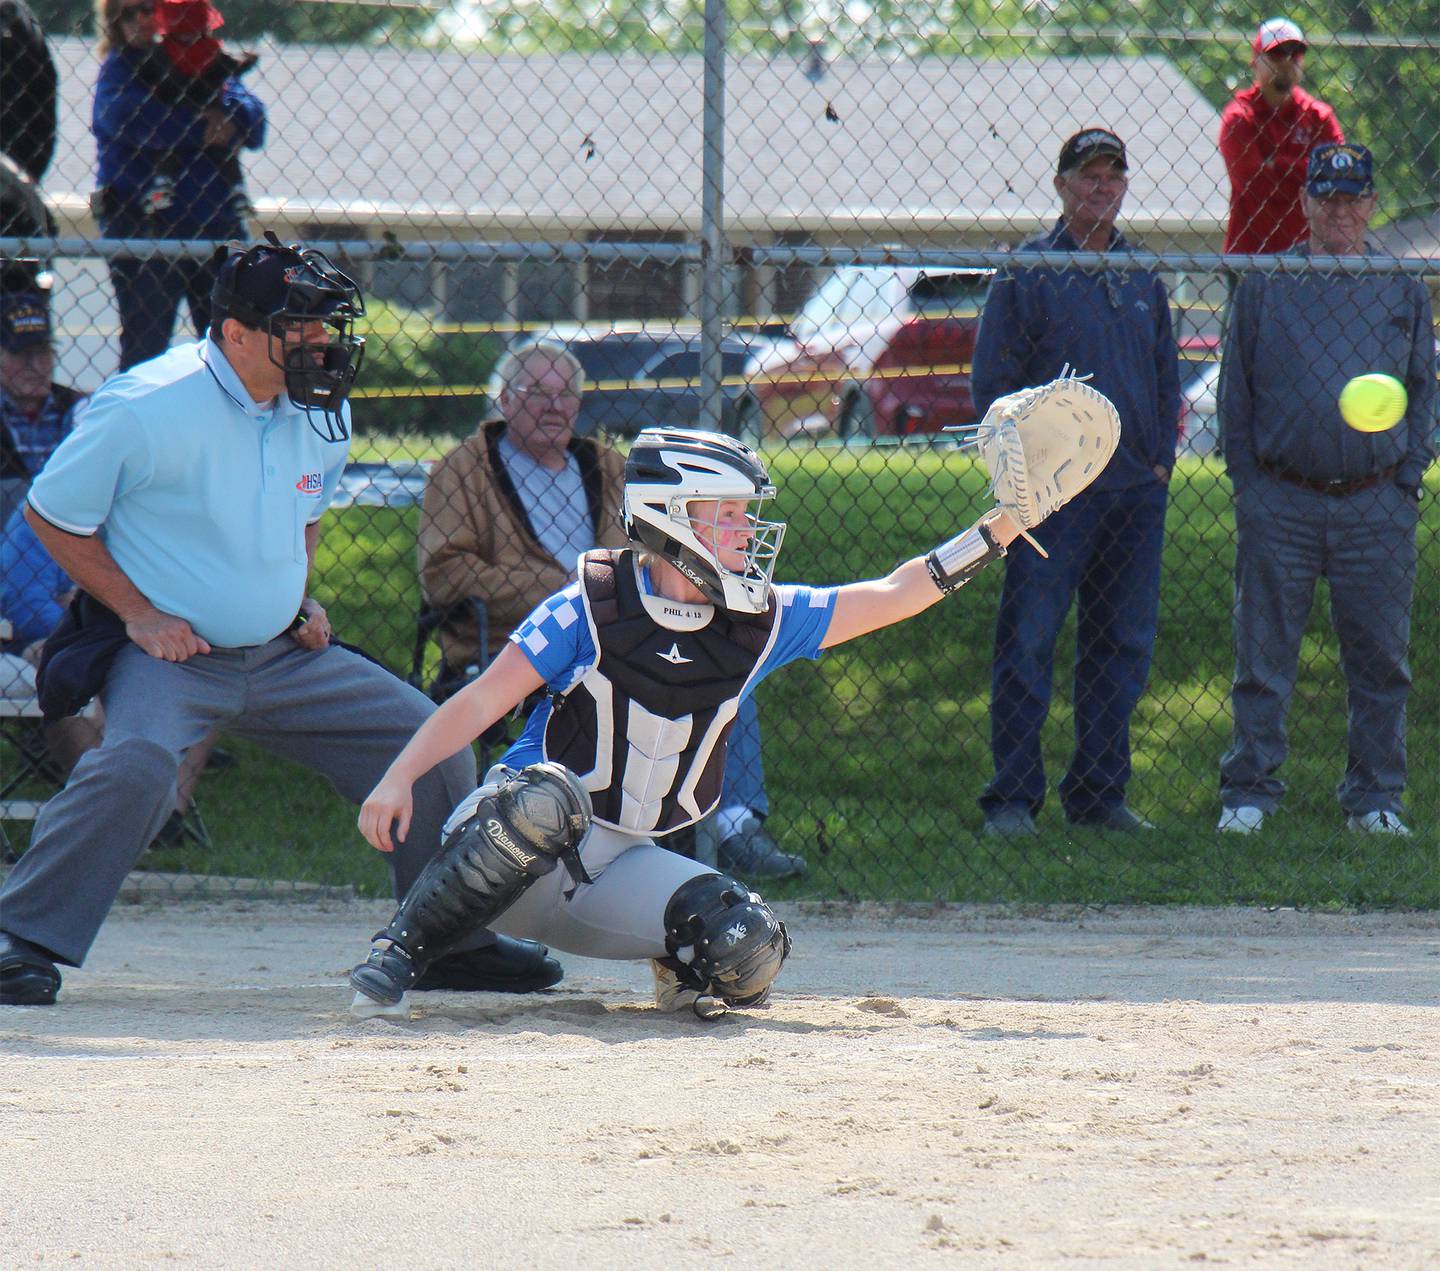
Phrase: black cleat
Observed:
(386, 974)
(507, 966)
(27, 975)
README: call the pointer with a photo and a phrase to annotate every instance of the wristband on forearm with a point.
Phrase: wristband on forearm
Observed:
(956, 562)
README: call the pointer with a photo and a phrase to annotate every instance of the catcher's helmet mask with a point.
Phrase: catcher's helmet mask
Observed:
(270, 287)
(671, 468)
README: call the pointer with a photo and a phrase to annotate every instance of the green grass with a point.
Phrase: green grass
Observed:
(875, 755)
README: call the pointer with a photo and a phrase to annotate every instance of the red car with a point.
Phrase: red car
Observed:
(877, 351)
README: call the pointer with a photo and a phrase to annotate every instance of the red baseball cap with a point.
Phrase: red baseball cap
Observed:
(1274, 32)
(188, 17)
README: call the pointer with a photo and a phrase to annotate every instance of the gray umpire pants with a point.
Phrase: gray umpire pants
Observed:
(330, 710)
(619, 914)
(1364, 545)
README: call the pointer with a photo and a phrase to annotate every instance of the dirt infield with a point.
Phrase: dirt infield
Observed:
(1137, 1089)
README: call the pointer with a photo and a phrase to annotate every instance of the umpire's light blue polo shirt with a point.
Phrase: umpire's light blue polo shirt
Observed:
(201, 496)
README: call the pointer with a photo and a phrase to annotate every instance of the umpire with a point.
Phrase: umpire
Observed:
(187, 508)
(1313, 498)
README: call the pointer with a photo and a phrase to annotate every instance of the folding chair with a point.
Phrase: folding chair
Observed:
(427, 626)
(447, 683)
(21, 731)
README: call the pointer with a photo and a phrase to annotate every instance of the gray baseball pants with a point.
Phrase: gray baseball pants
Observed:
(1364, 545)
(619, 915)
(330, 710)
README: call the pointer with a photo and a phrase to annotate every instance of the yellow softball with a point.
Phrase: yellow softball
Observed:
(1373, 403)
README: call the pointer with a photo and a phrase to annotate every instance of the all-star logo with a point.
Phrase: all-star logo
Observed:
(736, 933)
(673, 656)
(689, 573)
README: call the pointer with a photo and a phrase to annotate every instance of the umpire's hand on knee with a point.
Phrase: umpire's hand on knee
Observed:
(164, 636)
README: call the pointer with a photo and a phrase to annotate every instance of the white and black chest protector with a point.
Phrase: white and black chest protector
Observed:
(645, 728)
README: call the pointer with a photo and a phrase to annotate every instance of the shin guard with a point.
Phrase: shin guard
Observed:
(518, 832)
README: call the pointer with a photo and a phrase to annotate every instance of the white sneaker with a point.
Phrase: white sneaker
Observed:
(671, 995)
(1242, 820)
(363, 1007)
(1378, 823)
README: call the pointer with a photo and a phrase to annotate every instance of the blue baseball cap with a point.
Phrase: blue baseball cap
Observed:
(24, 321)
(1340, 168)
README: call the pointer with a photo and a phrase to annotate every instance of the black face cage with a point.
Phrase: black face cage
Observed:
(321, 292)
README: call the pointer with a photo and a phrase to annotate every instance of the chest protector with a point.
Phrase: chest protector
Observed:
(645, 729)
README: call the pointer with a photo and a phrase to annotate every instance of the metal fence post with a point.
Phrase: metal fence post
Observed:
(712, 215)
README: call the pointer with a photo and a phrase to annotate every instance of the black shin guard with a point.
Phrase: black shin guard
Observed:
(517, 833)
(724, 939)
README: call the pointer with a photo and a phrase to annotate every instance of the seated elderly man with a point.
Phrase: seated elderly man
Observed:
(506, 515)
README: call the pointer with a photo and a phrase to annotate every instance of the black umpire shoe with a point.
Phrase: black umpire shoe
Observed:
(507, 966)
(27, 975)
(751, 853)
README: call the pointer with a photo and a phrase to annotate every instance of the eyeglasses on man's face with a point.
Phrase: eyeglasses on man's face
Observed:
(534, 395)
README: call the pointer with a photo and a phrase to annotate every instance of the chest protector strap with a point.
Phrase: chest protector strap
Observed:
(645, 728)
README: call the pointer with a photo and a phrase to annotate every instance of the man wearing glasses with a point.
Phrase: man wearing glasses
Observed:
(508, 511)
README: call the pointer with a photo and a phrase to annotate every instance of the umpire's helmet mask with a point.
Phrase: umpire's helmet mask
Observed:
(270, 287)
(668, 469)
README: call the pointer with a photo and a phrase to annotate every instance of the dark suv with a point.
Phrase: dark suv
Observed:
(647, 377)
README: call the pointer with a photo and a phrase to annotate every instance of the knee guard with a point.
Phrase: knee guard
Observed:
(723, 939)
(517, 833)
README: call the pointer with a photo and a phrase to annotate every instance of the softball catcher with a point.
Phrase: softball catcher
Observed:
(645, 660)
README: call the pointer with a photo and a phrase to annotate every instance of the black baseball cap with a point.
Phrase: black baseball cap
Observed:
(258, 282)
(1087, 144)
(1337, 168)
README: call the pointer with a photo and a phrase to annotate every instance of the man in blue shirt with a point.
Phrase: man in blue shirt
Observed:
(167, 168)
(186, 507)
(35, 412)
(1315, 498)
(1105, 546)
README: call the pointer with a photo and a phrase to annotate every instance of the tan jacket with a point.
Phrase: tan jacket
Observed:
(476, 540)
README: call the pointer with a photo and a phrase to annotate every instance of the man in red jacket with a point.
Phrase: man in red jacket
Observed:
(1266, 135)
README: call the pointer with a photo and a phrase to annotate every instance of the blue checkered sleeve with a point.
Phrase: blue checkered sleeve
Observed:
(555, 638)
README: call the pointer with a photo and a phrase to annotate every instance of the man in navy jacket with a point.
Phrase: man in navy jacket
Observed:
(1113, 326)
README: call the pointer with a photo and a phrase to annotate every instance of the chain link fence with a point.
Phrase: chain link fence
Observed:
(798, 224)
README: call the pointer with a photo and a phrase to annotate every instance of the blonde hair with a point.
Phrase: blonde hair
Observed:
(107, 25)
(513, 361)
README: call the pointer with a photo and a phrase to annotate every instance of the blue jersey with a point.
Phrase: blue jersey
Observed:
(556, 640)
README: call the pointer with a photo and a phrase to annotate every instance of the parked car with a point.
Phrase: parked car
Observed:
(1199, 427)
(381, 485)
(647, 377)
(876, 351)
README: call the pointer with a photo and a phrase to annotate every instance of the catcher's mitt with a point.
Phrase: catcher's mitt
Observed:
(1043, 445)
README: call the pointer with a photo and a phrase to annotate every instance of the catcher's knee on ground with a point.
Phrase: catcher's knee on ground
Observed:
(517, 832)
(723, 940)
